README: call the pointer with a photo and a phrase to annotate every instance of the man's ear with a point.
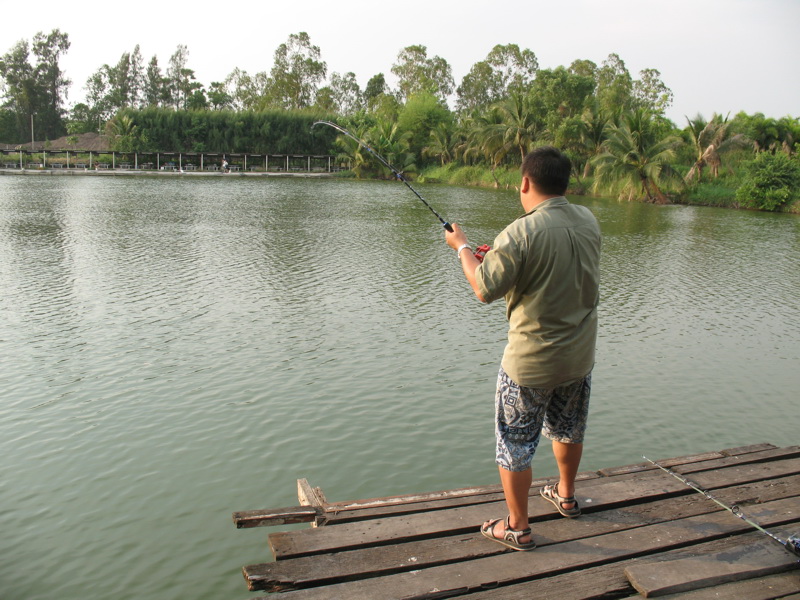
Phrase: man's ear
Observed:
(525, 186)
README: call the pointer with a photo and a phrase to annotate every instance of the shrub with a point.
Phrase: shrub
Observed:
(771, 181)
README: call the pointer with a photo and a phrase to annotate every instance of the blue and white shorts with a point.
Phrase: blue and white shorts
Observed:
(522, 414)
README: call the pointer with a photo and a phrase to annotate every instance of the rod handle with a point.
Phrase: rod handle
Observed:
(448, 227)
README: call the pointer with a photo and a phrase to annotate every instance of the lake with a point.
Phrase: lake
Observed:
(177, 349)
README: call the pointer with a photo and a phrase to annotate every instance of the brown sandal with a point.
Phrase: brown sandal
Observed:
(550, 493)
(511, 537)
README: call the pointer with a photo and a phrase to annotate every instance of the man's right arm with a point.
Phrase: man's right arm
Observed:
(457, 240)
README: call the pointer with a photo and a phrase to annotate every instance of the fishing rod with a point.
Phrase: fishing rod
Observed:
(386, 163)
(792, 544)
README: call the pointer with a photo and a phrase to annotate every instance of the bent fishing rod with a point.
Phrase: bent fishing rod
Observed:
(386, 163)
(792, 544)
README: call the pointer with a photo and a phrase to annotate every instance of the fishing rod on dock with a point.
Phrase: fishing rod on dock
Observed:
(792, 544)
(386, 164)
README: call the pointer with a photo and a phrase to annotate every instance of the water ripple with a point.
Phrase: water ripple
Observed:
(179, 350)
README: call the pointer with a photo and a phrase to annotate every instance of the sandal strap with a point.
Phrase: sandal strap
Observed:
(561, 499)
(513, 535)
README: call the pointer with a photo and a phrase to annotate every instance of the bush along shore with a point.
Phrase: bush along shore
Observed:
(769, 183)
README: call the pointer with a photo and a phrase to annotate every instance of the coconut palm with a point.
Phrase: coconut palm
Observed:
(387, 140)
(353, 152)
(487, 139)
(711, 140)
(522, 126)
(593, 135)
(635, 160)
(439, 144)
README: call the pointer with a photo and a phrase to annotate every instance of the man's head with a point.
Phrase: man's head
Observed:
(548, 170)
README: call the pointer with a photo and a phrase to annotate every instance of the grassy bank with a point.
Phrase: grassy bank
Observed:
(720, 192)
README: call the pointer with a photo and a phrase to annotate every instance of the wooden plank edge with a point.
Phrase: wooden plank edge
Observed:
(748, 449)
(750, 561)
(277, 516)
(427, 497)
(710, 460)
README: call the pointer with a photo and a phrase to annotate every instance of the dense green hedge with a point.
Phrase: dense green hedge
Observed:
(273, 132)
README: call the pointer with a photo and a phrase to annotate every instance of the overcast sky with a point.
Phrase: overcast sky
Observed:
(715, 55)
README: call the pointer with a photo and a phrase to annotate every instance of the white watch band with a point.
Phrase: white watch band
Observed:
(460, 248)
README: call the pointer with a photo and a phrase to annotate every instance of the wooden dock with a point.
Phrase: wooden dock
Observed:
(643, 533)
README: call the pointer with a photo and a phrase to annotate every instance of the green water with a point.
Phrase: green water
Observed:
(175, 350)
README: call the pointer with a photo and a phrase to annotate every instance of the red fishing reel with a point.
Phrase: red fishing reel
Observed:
(481, 251)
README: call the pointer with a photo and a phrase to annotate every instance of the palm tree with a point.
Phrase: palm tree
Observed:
(353, 152)
(636, 159)
(487, 138)
(710, 140)
(385, 138)
(522, 127)
(123, 132)
(593, 135)
(439, 144)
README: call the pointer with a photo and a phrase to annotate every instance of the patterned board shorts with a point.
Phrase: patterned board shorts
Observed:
(522, 414)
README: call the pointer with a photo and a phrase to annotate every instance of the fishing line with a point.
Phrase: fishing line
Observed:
(792, 544)
(386, 163)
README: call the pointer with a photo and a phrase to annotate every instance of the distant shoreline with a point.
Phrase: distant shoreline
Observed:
(150, 173)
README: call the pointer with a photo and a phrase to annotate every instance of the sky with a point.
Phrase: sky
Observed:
(717, 56)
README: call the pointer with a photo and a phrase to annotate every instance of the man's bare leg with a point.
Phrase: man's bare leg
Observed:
(516, 487)
(568, 459)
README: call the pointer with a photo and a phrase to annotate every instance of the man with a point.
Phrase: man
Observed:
(546, 265)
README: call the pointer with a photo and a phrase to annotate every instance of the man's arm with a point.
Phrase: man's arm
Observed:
(457, 239)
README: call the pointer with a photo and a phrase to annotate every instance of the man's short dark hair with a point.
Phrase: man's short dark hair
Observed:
(548, 169)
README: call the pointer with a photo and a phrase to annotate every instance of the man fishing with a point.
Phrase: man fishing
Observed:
(546, 266)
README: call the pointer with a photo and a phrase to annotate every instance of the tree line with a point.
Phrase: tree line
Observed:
(612, 124)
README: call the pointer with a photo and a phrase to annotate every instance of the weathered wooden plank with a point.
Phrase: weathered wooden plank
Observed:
(378, 511)
(754, 458)
(295, 573)
(748, 449)
(771, 587)
(612, 492)
(308, 496)
(597, 583)
(450, 580)
(748, 561)
(667, 462)
(711, 460)
(276, 516)
(465, 493)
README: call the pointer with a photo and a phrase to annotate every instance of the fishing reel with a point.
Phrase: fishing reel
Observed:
(793, 545)
(481, 251)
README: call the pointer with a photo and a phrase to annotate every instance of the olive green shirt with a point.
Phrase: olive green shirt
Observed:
(547, 266)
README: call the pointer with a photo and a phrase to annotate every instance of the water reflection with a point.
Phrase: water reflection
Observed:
(189, 348)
